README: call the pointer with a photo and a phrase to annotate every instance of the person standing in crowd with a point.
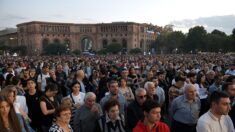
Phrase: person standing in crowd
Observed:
(42, 78)
(159, 92)
(217, 85)
(66, 101)
(79, 76)
(24, 79)
(151, 91)
(112, 120)
(126, 91)
(210, 77)
(60, 79)
(229, 88)
(216, 119)
(32, 100)
(9, 121)
(135, 108)
(185, 110)
(151, 121)
(62, 115)
(114, 94)
(86, 116)
(176, 89)
(76, 96)
(48, 104)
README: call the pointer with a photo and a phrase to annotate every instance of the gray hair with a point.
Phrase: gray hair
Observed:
(65, 99)
(139, 90)
(187, 86)
(146, 85)
(89, 95)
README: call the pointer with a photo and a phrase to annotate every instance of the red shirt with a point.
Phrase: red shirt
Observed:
(162, 127)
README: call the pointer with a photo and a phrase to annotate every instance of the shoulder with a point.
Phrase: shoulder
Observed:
(162, 126)
(139, 127)
(55, 128)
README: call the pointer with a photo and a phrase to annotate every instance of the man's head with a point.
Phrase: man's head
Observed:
(152, 111)
(190, 92)
(150, 88)
(90, 99)
(180, 80)
(80, 74)
(220, 103)
(192, 77)
(113, 87)
(229, 88)
(140, 94)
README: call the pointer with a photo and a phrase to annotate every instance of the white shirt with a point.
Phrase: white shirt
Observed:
(42, 79)
(20, 104)
(78, 99)
(209, 123)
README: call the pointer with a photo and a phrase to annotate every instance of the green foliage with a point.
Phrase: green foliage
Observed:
(135, 51)
(114, 48)
(77, 52)
(55, 49)
(102, 52)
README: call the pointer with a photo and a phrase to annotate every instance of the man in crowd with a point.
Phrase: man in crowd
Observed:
(185, 110)
(135, 108)
(152, 116)
(114, 94)
(216, 119)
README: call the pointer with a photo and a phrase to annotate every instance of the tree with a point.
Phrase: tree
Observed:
(77, 52)
(55, 49)
(114, 48)
(135, 51)
(217, 41)
(195, 39)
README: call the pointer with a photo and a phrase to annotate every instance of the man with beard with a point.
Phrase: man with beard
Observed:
(114, 94)
(216, 119)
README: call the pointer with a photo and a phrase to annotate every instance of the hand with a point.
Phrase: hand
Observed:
(94, 109)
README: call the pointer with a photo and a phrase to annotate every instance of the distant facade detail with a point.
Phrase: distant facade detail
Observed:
(85, 37)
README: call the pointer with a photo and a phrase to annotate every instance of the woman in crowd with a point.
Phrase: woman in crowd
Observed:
(48, 104)
(9, 121)
(76, 96)
(66, 101)
(63, 115)
(112, 120)
(126, 91)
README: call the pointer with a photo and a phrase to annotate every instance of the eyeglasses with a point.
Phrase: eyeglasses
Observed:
(141, 97)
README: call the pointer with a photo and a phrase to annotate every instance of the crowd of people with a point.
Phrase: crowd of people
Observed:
(118, 93)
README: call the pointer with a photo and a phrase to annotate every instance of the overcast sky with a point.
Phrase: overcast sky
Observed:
(183, 14)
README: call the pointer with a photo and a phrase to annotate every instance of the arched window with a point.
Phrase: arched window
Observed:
(124, 43)
(87, 44)
(105, 43)
(45, 42)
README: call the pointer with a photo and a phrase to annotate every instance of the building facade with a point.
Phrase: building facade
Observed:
(85, 37)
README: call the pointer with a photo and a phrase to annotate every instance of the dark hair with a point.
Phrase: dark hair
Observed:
(199, 77)
(111, 81)
(149, 105)
(13, 119)
(60, 109)
(191, 74)
(111, 103)
(15, 80)
(180, 78)
(31, 79)
(230, 78)
(226, 85)
(217, 95)
(51, 87)
(74, 83)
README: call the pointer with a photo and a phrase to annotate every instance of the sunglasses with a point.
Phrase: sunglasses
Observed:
(141, 97)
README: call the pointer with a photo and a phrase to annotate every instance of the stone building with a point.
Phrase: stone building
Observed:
(85, 37)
